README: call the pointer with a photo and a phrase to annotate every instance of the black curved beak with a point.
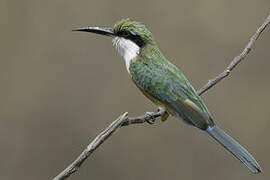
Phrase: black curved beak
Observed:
(107, 31)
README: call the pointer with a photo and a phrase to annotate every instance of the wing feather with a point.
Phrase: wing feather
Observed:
(164, 82)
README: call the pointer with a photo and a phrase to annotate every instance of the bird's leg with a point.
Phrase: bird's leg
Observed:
(151, 115)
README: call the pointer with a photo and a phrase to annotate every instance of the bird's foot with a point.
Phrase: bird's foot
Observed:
(164, 116)
(150, 119)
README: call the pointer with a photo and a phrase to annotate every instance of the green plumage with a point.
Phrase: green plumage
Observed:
(164, 82)
(139, 28)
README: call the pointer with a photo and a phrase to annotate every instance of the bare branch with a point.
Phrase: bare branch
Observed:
(124, 120)
(236, 60)
(75, 165)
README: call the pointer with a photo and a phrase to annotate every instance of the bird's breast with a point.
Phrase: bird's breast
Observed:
(127, 49)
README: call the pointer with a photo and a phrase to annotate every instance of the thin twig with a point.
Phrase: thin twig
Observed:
(124, 120)
(237, 59)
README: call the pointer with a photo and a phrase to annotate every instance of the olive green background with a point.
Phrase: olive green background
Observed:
(59, 89)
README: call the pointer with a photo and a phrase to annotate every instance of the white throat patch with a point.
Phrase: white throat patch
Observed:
(127, 49)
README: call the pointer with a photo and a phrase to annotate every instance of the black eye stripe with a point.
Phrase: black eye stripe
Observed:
(131, 35)
(123, 33)
(137, 39)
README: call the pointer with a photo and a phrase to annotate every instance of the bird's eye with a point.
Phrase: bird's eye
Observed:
(125, 33)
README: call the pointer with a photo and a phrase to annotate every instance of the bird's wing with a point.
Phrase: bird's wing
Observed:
(164, 82)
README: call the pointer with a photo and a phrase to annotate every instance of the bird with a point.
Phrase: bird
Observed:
(164, 84)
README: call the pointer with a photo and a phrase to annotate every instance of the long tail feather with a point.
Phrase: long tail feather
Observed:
(235, 148)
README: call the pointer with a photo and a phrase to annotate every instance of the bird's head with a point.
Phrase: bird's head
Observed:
(125, 29)
(129, 37)
(134, 31)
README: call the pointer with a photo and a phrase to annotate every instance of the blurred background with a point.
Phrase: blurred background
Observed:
(59, 89)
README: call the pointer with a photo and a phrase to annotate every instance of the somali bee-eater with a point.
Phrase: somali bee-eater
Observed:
(165, 85)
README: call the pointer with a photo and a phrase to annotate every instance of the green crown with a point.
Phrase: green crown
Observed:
(136, 27)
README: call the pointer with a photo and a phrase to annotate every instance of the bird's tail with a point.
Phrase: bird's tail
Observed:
(235, 148)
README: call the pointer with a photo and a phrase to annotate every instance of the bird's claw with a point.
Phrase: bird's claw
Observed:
(150, 119)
